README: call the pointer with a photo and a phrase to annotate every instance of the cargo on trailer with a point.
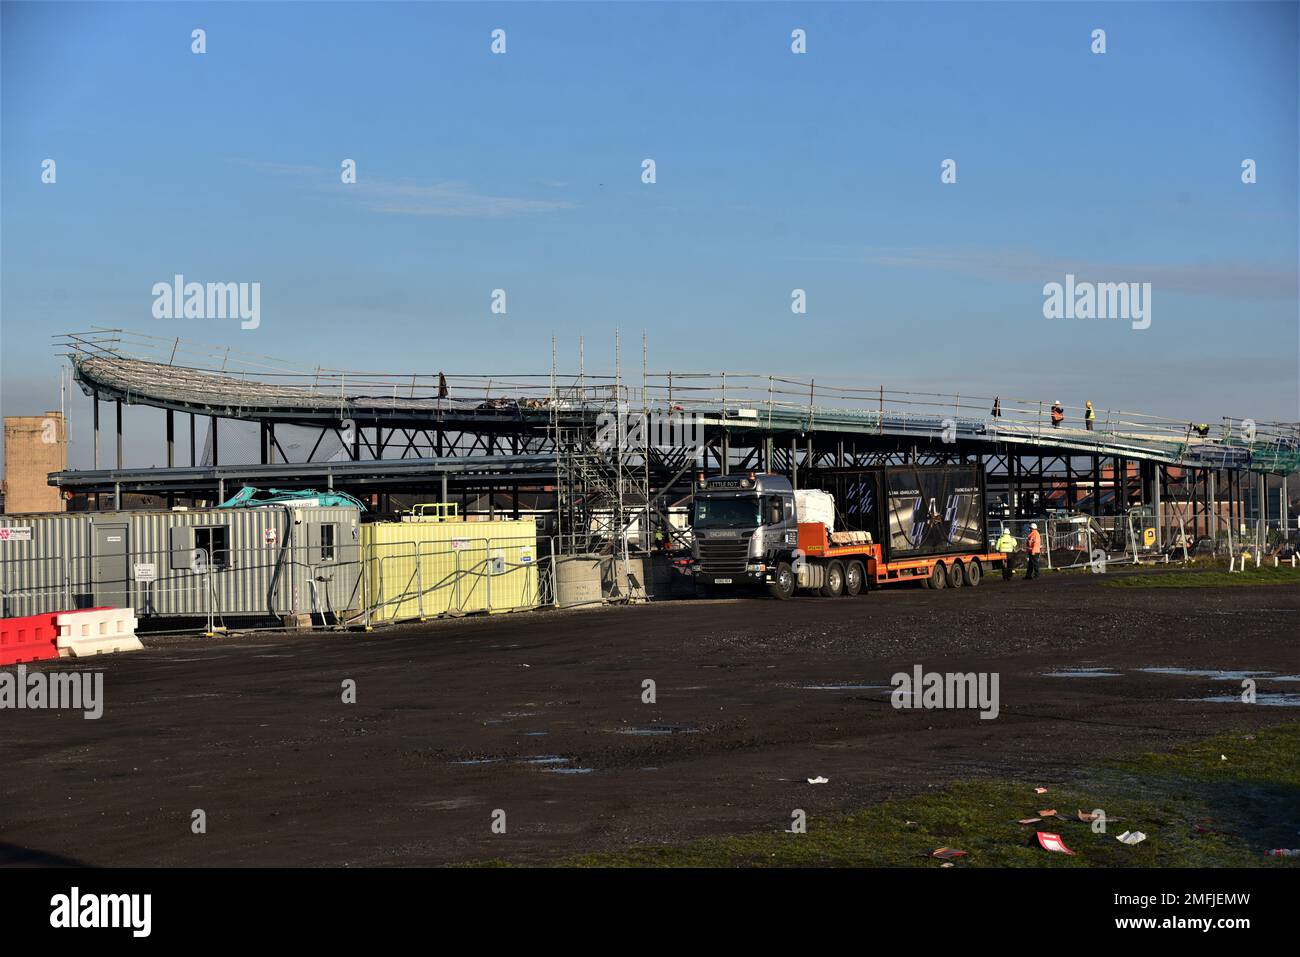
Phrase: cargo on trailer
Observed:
(910, 510)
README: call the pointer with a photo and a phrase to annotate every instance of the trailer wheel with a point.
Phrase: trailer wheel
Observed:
(955, 574)
(834, 584)
(973, 572)
(782, 586)
(855, 579)
(938, 576)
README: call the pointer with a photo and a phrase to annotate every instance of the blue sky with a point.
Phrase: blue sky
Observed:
(775, 171)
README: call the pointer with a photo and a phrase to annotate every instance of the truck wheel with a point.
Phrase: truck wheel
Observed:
(938, 576)
(955, 574)
(782, 586)
(834, 585)
(855, 579)
(973, 572)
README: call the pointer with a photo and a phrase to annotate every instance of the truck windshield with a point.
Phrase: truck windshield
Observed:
(726, 513)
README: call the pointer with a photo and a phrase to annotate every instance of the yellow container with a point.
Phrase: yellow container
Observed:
(422, 568)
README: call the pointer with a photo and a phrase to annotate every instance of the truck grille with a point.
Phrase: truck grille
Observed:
(720, 557)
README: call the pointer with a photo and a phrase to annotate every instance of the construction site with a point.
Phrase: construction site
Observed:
(363, 506)
(450, 441)
(592, 473)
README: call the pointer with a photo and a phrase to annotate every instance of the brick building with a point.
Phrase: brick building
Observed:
(35, 445)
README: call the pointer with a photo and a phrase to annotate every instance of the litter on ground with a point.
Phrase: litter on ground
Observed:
(947, 853)
(1053, 842)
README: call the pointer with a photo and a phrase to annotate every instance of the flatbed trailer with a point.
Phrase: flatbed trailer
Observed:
(936, 571)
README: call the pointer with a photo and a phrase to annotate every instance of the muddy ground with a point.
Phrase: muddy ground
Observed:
(541, 715)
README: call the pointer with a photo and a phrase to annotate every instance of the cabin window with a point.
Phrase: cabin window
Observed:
(214, 542)
(327, 542)
(774, 510)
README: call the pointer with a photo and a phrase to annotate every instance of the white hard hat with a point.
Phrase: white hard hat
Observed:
(1033, 524)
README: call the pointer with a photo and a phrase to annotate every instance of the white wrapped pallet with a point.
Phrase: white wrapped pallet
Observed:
(814, 505)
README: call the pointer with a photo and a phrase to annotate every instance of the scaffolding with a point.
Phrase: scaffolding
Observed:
(603, 488)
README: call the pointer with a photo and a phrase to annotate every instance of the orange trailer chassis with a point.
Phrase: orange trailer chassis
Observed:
(815, 544)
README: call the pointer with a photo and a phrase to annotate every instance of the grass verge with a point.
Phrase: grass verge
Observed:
(1246, 804)
(1283, 575)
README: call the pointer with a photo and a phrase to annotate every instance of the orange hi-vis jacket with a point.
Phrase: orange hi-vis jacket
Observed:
(1035, 542)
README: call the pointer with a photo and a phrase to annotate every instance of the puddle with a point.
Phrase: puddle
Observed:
(1081, 673)
(535, 734)
(479, 761)
(1272, 699)
(568, 770)
(1207, 673)
(660, 729)
(450, 804)
(544, 759)
(843, 687)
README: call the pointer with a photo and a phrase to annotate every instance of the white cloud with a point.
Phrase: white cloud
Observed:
(1265, 281)
(410, 198)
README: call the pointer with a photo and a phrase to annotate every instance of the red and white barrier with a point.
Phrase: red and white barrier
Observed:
(97, 631)
(30, 638)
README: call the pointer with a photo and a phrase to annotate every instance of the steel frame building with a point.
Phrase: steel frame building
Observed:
(417, 433)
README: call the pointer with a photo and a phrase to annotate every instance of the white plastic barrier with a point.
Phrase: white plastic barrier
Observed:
(97, 631)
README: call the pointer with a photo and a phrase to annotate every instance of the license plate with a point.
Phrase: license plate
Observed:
(722, 581)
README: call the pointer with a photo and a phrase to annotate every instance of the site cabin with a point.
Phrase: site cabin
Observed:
(848, 530)
(269, 561)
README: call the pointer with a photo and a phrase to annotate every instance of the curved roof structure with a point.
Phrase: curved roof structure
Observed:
(208, 380)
